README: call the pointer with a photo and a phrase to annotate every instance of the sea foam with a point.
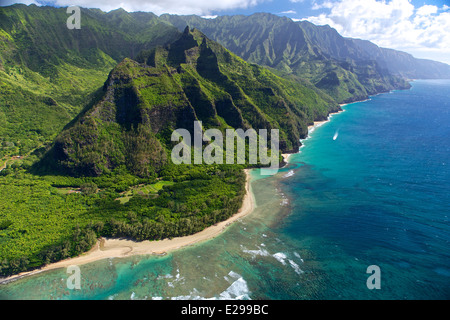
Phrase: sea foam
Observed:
(289, 174)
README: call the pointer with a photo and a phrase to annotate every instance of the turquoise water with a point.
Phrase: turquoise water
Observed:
(379, 194)
(376, 194)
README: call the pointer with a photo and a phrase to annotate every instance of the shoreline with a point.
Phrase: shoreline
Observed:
(330, 115)
(120, 248)
(311, 128)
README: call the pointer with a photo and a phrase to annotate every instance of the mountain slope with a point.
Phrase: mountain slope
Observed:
(347, 69)
(192, 79)
(58, 71)
(402, 63)
(48, 72)
(109, 172)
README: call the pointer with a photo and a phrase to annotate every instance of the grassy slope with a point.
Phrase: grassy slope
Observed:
(48, 72)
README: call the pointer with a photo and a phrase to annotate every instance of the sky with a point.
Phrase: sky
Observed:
(419, 27)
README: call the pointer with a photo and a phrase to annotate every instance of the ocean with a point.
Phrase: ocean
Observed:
(371, 187)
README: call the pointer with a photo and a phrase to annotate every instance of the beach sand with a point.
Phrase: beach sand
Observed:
(319, 123)
(286, 157)
(118, 248)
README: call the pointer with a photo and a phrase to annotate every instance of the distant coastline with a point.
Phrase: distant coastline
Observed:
(317, 124)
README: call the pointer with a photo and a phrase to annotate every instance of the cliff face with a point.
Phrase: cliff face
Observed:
(170, 87)
(48, 72)
(403, 64)
(347, 69)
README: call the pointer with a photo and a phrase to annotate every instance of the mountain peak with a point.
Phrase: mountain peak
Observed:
(170, 87)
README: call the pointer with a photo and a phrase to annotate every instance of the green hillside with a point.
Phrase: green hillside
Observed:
(318, 54)
(48, 72)
(86, 118)
(192, 79)
(109, 173)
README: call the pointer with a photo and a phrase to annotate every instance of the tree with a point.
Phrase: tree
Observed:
(88, 188)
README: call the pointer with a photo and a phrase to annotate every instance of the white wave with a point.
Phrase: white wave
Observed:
(234, 274)
(296, 267)
(259, 252)
(193, 295)
(298, 256)
(284, 199)
(281, 257)
(166, 276)
(317, 125)
(289, 174)
(238, 290)
(178, 278)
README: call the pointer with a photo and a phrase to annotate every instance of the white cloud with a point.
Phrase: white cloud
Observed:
(325, 4)
(396, 24)
(288, 12)
(426, 10)
(198, 7)
(11, 2)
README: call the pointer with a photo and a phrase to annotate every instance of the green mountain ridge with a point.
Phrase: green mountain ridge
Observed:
(91, 112)
(192, 79)
(48, 72)
(347, 69)
(56, 68)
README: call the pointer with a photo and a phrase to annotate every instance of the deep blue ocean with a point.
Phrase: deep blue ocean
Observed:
(379, 194)
(369, 187)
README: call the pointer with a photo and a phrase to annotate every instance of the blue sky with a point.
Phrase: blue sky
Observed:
(419, 27)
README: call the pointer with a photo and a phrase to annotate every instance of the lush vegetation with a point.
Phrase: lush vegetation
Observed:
(86, 118)
(116, 179)
(343, 68)
(193, 79)
(48, 218)
(108, 171)
(48, 73)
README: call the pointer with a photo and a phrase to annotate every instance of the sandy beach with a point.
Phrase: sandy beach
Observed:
(118, 248)
(286, 157)
(319, 123)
